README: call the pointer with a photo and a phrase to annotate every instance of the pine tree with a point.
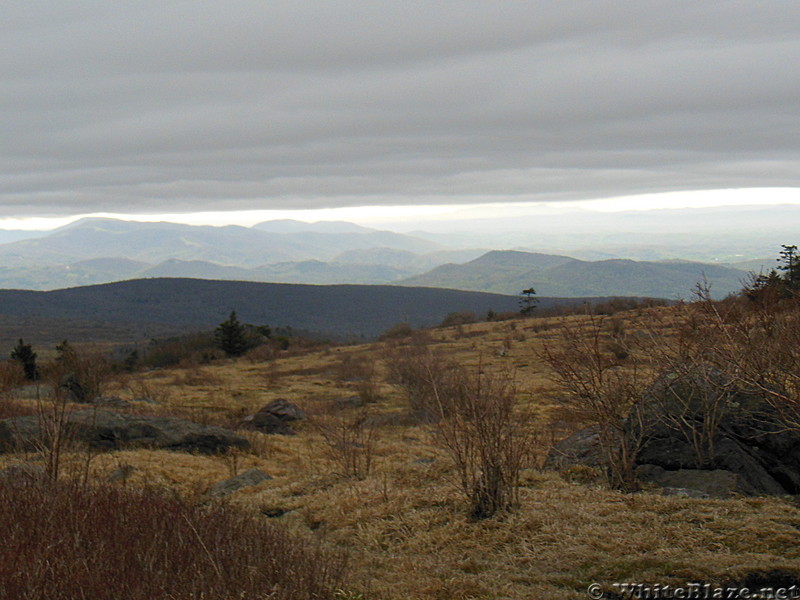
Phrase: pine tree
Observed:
(231, 336)
(24, 354)
(790, 265)
(528, 302)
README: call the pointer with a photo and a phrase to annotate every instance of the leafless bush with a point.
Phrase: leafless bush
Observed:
(487, 439)
(755, 341)
(12, 375)
(362, 372)
(398, 331)
(430, 381)
(56, 546)
(693, 391)
(601, 389)
(84, 372)
(56, 433)
(350, 441)
(141, 388)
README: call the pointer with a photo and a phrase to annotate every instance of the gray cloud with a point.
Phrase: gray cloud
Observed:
(206, 105)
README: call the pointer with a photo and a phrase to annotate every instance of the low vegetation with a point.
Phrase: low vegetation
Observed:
(62, 542)
(422, 462)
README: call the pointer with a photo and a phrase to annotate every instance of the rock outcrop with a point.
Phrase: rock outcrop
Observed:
(274, 418)
(753, 451)
(107, 430)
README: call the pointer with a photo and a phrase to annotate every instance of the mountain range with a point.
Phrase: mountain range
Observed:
(94, 251)
(508, 272)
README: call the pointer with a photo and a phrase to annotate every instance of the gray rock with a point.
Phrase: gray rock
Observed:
(284, 410)
(243, 480)
(108, 430)
(111, 402)
(274, 418)
(22, 472)
(121, 474)
(696, 483)
(683, 493)
(754, 453)
(144, 400)
(581, 448)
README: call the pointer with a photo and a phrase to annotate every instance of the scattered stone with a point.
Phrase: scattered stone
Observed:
(424, 461)
(243, 480)
(683, 493)
(696, 483)
(144, 400)
(349, 402)
(108, 430)
(284, 410)
(273, 418)
(22, 472)
(582, 448)
(111, 402)
(121, 474)
(274, 513)
(32, 392)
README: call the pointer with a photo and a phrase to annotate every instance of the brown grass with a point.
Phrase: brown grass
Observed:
(405, 526)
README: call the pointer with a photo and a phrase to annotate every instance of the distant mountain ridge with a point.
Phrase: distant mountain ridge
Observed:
(94, 251)
(508, 272)
(229, 245)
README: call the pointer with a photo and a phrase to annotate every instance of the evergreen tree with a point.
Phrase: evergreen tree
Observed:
(24, 354)
(790, 265)
(231, 336)
(528, 302)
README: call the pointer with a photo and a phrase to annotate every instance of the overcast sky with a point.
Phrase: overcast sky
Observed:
(157, 106)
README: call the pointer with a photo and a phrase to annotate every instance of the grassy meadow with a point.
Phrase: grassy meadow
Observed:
(403, 524)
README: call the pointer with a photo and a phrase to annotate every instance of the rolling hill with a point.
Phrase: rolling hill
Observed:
(508, 272)
(140, 309)
(200, 304)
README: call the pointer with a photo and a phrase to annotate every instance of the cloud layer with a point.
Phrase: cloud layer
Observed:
(203, 105)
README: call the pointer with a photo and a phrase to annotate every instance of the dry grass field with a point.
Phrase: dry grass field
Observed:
(404, 525)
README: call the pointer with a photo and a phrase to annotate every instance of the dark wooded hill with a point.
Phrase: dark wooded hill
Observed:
(162, 305)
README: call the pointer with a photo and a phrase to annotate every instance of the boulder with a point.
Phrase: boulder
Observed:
(243, 480)
(754, 453)
(274, 418)
(108, 430)
(111, 402)
(581, 448)
(21, 472)
(695, 483)
(284, 410)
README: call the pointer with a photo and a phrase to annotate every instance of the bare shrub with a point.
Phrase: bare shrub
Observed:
(362, 372)
(694, 390)
(487, 439)
(56, 434)
(56, 546)
(755, 341)
(83, 372)
(12, 376)
(141, 388)
(398, 331)
(601, 389)
(350, 441)
(429, 380)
